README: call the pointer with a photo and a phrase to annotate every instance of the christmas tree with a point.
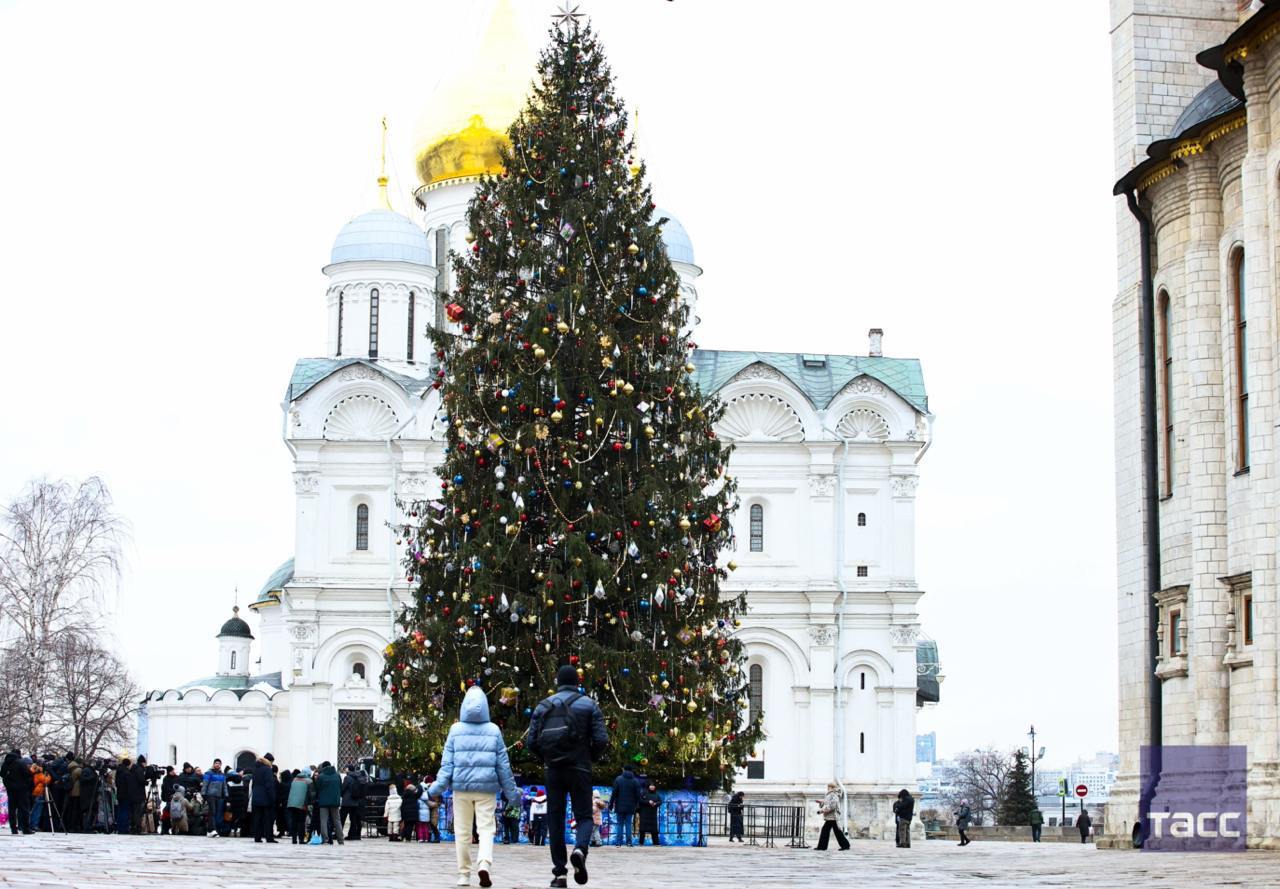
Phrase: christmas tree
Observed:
(1018, 800)
(584, 499)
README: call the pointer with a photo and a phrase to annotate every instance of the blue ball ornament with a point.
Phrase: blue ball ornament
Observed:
(626, 671)
(457, 479)
(528, 711)
(642, 290)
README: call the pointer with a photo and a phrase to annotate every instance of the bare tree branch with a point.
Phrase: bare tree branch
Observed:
(980, 777)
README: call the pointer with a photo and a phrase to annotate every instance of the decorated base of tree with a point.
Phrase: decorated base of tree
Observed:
(584, 495)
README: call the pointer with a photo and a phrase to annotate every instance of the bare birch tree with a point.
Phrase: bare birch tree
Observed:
(92, 695)
(60, 559)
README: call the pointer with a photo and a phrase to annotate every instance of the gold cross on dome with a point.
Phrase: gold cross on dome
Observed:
(568, 15)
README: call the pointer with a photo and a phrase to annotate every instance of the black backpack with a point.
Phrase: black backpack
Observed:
(559, 740)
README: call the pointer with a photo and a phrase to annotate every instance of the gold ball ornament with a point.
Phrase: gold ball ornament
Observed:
(633, 249)
(539, 352)
(562, 327)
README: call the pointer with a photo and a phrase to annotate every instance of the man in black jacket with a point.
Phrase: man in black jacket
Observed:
(623, 802)
(130, 795)
(353, 792)
(139, 782)
(567, 731)
(263, 799)
(17, 784)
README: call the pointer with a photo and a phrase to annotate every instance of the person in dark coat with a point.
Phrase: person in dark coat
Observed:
(623, 802)
(328, 787)
(18, 783)
(964, 815)
(650, 802)
(353, 792)
(567, 732)
(410, 793)
(263, 798)
(903, 810)
(138, 785)
(129, 793)
(736, 807)
(60, 772)
(167, 784)
(88, 797)
(1083, 823)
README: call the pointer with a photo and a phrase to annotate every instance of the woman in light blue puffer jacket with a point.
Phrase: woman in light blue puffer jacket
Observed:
(476, 766)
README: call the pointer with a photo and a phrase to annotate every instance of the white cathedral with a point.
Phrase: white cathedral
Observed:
(827, 462)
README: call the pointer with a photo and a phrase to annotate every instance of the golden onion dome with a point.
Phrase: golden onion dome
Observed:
(461, 133)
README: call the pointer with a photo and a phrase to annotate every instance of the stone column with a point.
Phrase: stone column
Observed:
(1198, 396)
(1257, 188)
(822, 725)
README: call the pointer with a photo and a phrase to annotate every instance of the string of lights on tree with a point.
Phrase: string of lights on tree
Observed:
(584, 496)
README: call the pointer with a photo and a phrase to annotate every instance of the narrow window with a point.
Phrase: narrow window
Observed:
(1241, 381)
(373, 323)
(862, 520)
(362, 527)
(1175, 633)
(358, 669)
(862, 570)
(339, 352)
(757, 528)
(1246, 608)
(1166, 388)
(862, 680)
(862, 742)
(410, 348)
(755, 694)
(233, 660)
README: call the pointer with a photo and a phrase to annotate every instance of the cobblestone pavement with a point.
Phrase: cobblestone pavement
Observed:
(93, 861)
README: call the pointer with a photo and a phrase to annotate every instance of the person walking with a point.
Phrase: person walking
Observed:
(39, 792)
(1083, 823)
(262, 796)
(830, 809)
(623, 802)
(963, 816)
(329, 800)
(538, 817)
(650, 803)
(736, 806)
(476, 766)
(391, 811)
(1037, 824)
(567, 732)
(299, 799)
(904, 808)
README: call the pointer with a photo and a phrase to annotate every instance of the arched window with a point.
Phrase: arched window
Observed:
(755, 693)
(757, 528)
(1166, 387)
(410, 348)
(373, 323)
(233, 660)
(1241, 381)
(862, 520)
(339, 351)
(362, 527)
(358, 669)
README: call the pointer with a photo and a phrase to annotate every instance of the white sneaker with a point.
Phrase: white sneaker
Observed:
(464, 880)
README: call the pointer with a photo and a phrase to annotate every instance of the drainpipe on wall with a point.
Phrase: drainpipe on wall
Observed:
(838, 734)
(1151, 498)
(391, 531)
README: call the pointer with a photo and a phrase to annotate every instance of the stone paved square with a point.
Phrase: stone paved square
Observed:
(93, 861)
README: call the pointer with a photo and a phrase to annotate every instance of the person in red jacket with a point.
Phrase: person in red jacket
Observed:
(40, 780)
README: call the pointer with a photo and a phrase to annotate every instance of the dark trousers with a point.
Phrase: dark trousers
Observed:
(263, 822)
(1035, 832)
(904, 833)
(409, 830)
(217, 808)
(297, 819)
(58, 801)
(964, 839)
(576, 784)
(20, 811)
(352, 813)
(1084, 834)
(538, 830)
(71, 814)
(828, 828)
(657, 841)
(510, 830)
(123, 813)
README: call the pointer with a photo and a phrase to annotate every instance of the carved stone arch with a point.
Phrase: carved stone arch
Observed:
(197, 696)
(865, 658)
(332, 647)
(760, 416)
(780, 641)
(864, 424)
(360, 417)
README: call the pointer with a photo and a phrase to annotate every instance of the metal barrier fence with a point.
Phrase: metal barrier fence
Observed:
(766, 825)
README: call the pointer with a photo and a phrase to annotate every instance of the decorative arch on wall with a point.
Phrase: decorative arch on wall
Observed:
(334, 647)
(863, 424)
(360, 417)
(760, 416)
(783, 643)
(865, 659)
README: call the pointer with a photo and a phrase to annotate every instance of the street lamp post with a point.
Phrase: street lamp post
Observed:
(1035, 756)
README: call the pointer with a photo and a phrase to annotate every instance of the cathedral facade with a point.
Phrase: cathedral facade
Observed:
(827, 462)
(1197, 129)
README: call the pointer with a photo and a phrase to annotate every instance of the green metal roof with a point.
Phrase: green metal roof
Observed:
(819, 377)
(239, 684)
(275, 582)
(307, 372)
(927, 685)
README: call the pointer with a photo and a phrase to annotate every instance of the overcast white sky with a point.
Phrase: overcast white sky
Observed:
(172, 176)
